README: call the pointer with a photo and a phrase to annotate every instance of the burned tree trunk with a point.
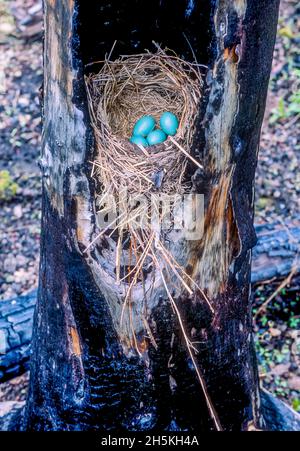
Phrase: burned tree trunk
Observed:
(86, 373)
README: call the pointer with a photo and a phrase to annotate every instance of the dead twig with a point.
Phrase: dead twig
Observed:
(283, 284)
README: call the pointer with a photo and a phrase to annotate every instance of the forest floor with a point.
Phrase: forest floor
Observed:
(277, 182)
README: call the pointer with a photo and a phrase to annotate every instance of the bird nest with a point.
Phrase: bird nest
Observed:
(122, 92)
(125, 90)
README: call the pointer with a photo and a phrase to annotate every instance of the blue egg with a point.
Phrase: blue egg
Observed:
(156, 137)
(169, 123)
(139, 141)
(144, 126)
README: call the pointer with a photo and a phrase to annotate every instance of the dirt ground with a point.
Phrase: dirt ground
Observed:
(277, 181)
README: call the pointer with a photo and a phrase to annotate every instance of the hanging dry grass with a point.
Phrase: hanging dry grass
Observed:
(122, 92)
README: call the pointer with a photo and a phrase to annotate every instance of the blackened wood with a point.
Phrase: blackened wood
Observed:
(278, 415)
(16, 315)
(276, 252)
(11, 415)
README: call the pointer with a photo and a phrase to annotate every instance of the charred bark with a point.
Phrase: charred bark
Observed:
(85, 372)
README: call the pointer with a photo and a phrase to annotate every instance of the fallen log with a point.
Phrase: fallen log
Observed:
(276, 252)
(10, 415)
(278, 416)
(16, 319)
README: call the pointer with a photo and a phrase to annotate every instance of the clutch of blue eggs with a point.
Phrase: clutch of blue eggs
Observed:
(145, 133)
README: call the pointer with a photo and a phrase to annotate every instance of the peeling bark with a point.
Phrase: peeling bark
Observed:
(86, 371)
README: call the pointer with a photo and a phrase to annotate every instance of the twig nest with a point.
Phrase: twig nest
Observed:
(131, 94)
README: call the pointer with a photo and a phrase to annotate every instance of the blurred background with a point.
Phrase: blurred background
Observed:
(276, 303)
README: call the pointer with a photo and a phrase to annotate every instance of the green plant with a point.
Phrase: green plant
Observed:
(8, 188)
(291, 106)
(296, 404)
(294, 323)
